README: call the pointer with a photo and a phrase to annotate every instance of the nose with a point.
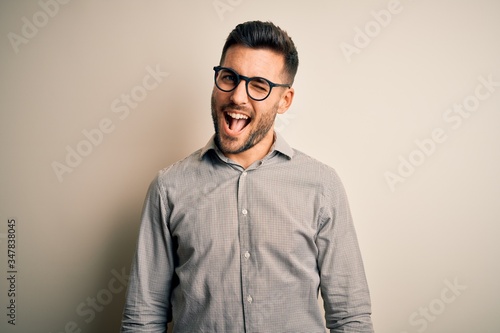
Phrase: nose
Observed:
(239, 94)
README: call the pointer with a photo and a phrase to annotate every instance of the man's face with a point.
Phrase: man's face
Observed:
(240, 122)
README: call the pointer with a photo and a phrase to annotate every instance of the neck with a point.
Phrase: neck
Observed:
(256, 153)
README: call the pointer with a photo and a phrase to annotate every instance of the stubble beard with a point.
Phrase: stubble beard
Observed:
(264, 125)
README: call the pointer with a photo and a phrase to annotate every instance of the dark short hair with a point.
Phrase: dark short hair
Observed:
(265, 35)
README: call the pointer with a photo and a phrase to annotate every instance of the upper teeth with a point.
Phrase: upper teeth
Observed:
(237, 115)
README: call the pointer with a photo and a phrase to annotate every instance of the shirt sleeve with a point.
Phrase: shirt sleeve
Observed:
(147, 306)
(342, 278)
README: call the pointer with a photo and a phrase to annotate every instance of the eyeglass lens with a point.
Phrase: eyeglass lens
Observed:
(257, 88)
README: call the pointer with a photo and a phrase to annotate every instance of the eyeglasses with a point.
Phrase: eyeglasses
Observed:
(258, 88)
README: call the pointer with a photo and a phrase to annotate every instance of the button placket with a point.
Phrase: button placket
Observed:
(245, 246)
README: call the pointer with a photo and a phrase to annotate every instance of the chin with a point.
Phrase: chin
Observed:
(229, 145)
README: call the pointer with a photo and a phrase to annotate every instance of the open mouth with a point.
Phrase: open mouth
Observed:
(236, 122)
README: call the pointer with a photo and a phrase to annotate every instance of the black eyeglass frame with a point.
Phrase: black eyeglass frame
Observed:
(247, 80)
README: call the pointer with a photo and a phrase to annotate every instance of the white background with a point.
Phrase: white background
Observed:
(362, 112)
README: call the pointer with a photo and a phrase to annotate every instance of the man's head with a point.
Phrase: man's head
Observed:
(255, 53)
(265, 35)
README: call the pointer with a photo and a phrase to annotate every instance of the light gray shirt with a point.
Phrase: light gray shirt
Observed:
(227, 249)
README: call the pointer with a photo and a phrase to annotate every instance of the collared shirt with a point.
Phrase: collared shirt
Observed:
(227, 249)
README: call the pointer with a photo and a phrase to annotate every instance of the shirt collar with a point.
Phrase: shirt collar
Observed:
(280, 145)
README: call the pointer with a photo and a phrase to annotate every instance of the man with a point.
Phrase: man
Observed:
(241, 235)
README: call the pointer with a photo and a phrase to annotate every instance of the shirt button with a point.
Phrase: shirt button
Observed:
(244, 212)
(249, 299)
(244, 173)
(247, 255)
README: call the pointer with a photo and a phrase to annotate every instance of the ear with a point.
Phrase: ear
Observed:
(286, 101)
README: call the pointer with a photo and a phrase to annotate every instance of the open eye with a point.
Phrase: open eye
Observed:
(228, 77)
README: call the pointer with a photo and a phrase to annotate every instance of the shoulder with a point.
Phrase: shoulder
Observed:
(187, 161)
(323, 176)
(180, 169)
(311, 164)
